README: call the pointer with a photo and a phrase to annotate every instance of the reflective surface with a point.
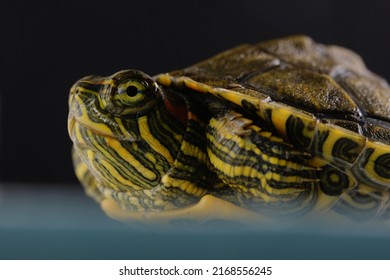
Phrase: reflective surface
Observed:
(60, 222)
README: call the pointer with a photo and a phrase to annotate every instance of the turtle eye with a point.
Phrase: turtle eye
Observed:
(130, 93)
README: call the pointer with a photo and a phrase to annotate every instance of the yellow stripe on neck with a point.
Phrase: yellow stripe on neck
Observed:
(153, 142)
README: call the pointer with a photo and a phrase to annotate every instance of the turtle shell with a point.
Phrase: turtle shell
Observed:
(321, 99)
(322, 116)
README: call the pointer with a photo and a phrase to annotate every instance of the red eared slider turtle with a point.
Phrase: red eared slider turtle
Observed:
(287, 126)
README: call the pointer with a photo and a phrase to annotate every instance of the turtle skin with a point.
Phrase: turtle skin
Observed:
(283, 127)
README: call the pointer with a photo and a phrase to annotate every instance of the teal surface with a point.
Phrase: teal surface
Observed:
(60, 222)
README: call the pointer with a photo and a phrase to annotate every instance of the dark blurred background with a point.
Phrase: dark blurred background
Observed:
(45, 48)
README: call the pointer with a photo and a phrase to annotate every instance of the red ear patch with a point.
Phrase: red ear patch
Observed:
(179, 111)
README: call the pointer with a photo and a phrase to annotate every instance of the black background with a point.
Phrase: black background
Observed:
(45, 48)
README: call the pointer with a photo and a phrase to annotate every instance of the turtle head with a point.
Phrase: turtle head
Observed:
(104, 105)
(116, 124)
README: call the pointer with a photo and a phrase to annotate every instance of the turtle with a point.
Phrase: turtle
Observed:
(285, 127)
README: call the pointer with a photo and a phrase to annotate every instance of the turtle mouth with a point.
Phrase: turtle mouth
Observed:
(71, 124)
(75, 124)
(86, 112)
